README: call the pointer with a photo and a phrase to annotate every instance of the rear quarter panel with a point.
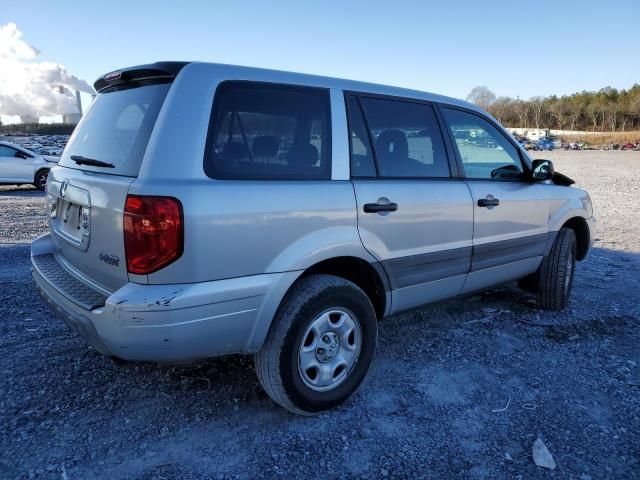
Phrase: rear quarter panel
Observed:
(237, 228)
(240, 228)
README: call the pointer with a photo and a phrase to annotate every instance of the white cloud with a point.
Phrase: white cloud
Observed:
(29, 87)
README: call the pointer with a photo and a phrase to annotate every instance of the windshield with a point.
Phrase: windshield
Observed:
(116, 130)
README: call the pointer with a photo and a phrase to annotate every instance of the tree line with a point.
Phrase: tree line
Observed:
(38, 128)
(607, 110)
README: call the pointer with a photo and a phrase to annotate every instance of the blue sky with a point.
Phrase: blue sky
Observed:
(515, 48)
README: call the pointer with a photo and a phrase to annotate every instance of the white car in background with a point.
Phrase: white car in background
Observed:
(20, 166)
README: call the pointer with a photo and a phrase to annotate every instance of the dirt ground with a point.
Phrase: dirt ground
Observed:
(460, 389)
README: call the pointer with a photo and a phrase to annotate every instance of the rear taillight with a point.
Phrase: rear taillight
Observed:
(153, 232)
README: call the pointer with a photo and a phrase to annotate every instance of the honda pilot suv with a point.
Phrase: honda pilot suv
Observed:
(202, 210)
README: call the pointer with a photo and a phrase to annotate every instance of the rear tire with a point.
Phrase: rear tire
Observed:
(557, 271)
(326, 325)
(41, 179)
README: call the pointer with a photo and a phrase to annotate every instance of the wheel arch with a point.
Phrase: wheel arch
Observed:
(370, 277)
(39, 171)
(583, 235)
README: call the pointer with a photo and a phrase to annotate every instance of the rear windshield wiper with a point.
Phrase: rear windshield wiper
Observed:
(80, 160)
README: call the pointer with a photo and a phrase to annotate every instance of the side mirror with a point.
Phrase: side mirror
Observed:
(542, 170)
(21, 155)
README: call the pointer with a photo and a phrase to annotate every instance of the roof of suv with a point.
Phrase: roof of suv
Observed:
(172, 69)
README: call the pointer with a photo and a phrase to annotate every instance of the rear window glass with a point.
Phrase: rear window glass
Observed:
(116, 129)
(267, 131)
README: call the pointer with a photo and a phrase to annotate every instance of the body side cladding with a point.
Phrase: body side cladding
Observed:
(430, 267)
(427, 267)
(506, 251)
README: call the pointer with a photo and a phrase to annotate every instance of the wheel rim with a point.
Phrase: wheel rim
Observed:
(329, 349)
(569, 274)
(43, 180)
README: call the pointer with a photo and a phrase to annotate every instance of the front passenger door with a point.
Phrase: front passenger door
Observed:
(12, 168)
(511, 213)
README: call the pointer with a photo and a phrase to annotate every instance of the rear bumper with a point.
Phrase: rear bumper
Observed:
(174, 322)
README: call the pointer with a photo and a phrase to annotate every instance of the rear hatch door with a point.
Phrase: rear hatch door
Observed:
(86, 192)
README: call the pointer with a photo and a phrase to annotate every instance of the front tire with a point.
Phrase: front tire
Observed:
(41, 179)
(557, 272)
(320, 345)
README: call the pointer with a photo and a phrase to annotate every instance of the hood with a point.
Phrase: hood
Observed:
(51, 158)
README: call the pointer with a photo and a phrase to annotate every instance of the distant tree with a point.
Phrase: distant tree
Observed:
(608, 108)
(625, 109)
(501, 109)
(560, 109)
(537, 104)
(576, 110)
(522, 111)
(634, 108)
(593, 110)
(39, 128)
(481, 96)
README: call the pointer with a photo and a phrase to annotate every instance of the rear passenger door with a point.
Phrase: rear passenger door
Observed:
(413, 216)
(511, 213)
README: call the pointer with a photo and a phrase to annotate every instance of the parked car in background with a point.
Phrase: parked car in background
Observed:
(293, 220)
(526, 143)
(544, 144)
(19, 166)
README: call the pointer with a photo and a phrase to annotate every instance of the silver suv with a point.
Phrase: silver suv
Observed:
(202, 210)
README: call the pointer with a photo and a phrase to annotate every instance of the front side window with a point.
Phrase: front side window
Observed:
(362, 163)
(266, 131)
(485, 152)
(406, 138)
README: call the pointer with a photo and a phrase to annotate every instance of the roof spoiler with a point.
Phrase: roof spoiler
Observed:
(152, 71)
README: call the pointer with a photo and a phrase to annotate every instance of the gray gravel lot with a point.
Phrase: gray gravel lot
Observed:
(460, 389)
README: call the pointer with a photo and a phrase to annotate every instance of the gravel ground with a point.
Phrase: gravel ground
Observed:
(460, 389)
(22, 213)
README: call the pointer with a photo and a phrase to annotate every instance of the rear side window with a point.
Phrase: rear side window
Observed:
(116, 129)
(267, 131)
(407, 140)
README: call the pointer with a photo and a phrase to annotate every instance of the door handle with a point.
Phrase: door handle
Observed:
(380, 207)
(488, 202)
